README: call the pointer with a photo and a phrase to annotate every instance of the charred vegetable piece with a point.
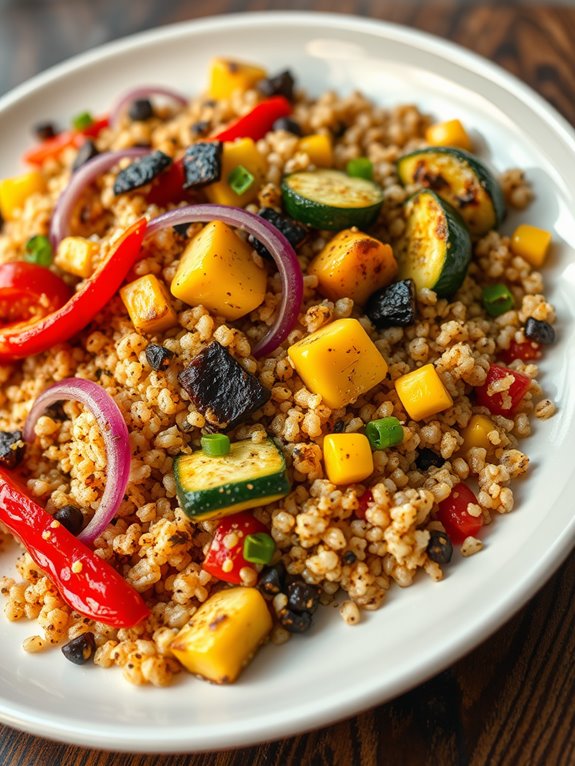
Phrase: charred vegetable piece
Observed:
(281, 84)
(141, 172)
(158, 357)
(203, 163)
(11, 449)
(539, 331)
(439, 547)
(80, 650)
(294, 232)
(250, 475)
(393, 306)
(220, 387)
(70, 517)
(427, 459)
(303, 597)
(86, 152)
(435, 249)
(45, 130)
(141, 110)
(461, 179)
(294, 622)
(287, 124)
(272, 580)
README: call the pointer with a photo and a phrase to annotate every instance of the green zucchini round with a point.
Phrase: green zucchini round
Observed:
(329, 199)
(461, 179)
(435, 249)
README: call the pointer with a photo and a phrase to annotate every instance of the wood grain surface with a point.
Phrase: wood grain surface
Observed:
(511, 701)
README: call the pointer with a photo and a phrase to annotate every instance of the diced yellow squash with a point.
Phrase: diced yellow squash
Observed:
(476, 432)
(15, 191)
(319, 149)
(340, 362)
(149, 305)
(224, 634)
(228, 76)
(241, 152)
(347, 458)
(353, 265)
(422, 392)
(217, 270)
(75, 255)
(449, 133)
(531, 243)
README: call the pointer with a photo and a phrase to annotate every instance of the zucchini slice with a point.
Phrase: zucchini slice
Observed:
(329, 199)
(435, 249)
(460, 179)
(248, 476)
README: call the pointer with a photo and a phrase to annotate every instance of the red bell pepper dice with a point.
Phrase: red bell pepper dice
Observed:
(51, 148)
(527, 351)
(86, 583)
(225, 562)
(27, 339)
(30, 285)
(505, 402)
(454, 516)
(362, 502)
(258, 122)
(168, 187)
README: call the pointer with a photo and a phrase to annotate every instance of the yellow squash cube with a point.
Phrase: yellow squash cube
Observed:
(318, 148)
(149, 306)
(340, 362)
(353, 265)
(422, 393)
(235, 153)
(224, 634)
(15, 191)
(449, 133)
(228, 76)
(531, 243)
(75, 255)
(217, 270)
(347, 458)
(476, 432)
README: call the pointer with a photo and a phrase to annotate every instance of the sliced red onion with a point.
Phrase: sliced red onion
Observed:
(114, 431)
(278, 246)
(144, 92)
(60, 224)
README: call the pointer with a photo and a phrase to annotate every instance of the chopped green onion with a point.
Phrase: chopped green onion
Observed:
(82, 121)
(383, 433)
(240, 179)
(215, 445)
(259, 548)
(497, 299)
(360, 167)
(39, 250)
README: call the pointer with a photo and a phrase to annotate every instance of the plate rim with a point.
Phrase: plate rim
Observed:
(19, 716)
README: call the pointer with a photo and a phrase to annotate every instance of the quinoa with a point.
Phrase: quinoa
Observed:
(320, 533)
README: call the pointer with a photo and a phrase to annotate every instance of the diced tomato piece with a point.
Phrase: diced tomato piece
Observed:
(225, 562)
(454, 516)
(527, 351)
(363, 501)
(505, 402)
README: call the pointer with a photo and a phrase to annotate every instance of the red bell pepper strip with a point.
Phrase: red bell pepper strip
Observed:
(53, 147)
(527, 351)
(24, 339)
(168, 187)
(25, 284)
(454, 516)
(505, 402)
(87, 583)
(258, 122)
(226, 563)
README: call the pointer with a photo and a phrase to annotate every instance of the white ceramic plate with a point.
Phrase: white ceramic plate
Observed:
(336, 670)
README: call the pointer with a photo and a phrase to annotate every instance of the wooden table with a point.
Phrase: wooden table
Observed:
(511, 701)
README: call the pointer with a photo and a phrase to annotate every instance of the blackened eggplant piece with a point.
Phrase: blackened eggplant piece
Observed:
(427, 459)
(220, 387)
(203, 163)
(281, 84)
(141, 172)
(392, 306)
(539, 331)
(141, 110)
(86, 152)
(11, 448)
(293, 231)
